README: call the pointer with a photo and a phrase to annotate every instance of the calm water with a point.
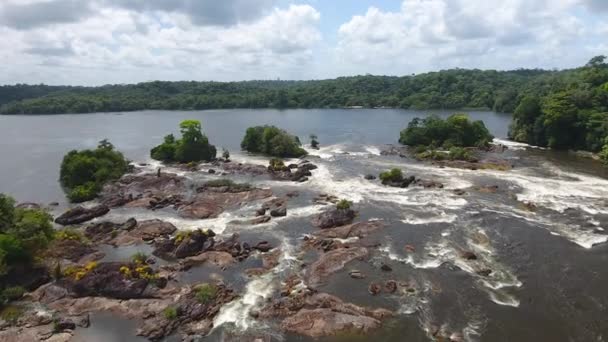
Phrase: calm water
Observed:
(548, 280)
(31, 147)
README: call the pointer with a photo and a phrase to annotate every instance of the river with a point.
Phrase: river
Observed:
(548, 279)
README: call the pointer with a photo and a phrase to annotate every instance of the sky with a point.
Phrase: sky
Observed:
(96, 42)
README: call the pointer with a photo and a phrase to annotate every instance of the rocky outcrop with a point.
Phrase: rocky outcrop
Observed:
(211, 202)
(193, 314)
(359, 229)
(334, 218)
(128, 233)
(81, 214)
(185, 244)
(145, 190)
(110, 279)
(332, 262)
(320, 314)
(394, 150)
(294, 172)
(72, 250)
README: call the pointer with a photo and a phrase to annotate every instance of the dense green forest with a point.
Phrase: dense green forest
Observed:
(566, 109)
(449, 89)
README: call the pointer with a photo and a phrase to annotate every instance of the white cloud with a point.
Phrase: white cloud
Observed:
(432, 34)
(122, 45)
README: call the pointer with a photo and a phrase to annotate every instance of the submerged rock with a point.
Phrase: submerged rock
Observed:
(81, 214)
(332, 262)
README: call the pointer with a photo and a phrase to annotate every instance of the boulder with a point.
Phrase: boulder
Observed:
(359, 230)
(81, 214)
(325, 322)
(374, 288)
(279, 212)
(390, 286)
(468, 255)
(356, 274)
(213, 201)
(369, 177)
(334, 218)
(106, 280)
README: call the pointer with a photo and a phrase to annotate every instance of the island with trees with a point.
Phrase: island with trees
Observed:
(193, 146)
(272, 141)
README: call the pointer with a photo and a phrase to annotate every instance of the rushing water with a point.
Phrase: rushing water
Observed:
(548, 280)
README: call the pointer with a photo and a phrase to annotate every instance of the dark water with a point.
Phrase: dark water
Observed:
(548, 280)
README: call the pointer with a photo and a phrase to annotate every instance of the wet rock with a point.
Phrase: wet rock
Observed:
(393, 150)
(325, 322)
(250, 169)
(218, 259)
(468, 255)
(369, 177)
(144, 188)
(428, 184)
(410, 248)
(260, 212)
(326, 199)
(192, 243)
(211, 171)
(73, 250)
(292, 166)
(213, 201)
(253, 221)
(53, 204)
(80, 214)
(359, 230)
(332, 262)
(292, 194)
(529, 206)
(488, 189)
(279, 212)
(263, 246)
(459, 192)
(28, 205)
(106, 280)
(356, 274)
(334, 218)
(386, 268)
(374, 288)
(484, 272)
(64, 324)
(193, 317)
(390, 286)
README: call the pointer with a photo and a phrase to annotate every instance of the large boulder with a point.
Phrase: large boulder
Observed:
(325, 322)
(81, 214)
(359, 230)
(334, 218)
(211, 202)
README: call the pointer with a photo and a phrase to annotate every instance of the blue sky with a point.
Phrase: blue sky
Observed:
(91, 42)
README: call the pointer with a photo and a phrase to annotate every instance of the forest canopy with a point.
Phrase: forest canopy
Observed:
(272, 141)
(83, 173)
(192, 147)
(455, 131)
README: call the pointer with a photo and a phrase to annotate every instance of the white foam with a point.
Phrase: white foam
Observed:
(441, 217)
(513, 145)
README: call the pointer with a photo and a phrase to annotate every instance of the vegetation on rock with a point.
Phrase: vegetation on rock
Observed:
(272, 141)
(314, 143)
(83, 173)
(344, 204)
(205, 292)
(457, 130)
(393, 175)
(192, 147)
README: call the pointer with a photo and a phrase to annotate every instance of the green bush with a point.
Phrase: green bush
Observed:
(11, 314)
(393, 175)
(83, 173)
(314, 143)
(272, 141)
(604, 154)
(13, 293)
(139, 258)
(205, 293)
(276, 164)
(192, 147)
(457, 130)
(69, 234)
(218, 183)
(170, 313)
(344, 204)
(226, 154)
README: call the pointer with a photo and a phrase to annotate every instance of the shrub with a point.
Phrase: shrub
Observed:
(13, 293)
(457, 130)
(459, 153)
(205, 293)
(604, 154)
(170, 313)
(393, 175)
(272, 141)
(218, 183)
(83, 173)
(139, 258)
(11, 314)
(192, 147)
(69, 234)
(344, 204)
(225, 154)
(276, 164)
(313, 141)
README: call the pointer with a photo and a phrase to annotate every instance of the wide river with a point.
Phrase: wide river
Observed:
(548, 279)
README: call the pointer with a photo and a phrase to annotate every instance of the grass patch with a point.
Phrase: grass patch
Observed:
(205, 293)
